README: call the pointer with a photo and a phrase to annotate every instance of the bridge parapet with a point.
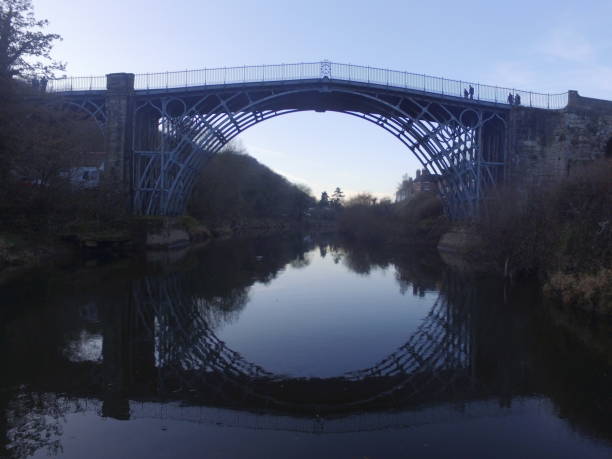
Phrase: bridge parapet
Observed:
(317, 70)
(546, 146)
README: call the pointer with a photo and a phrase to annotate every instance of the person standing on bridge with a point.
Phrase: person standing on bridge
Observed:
(465, 93)
(510, 98)
(517, 99)
(471, 92)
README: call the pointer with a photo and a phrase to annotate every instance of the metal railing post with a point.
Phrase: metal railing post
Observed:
(302, 70)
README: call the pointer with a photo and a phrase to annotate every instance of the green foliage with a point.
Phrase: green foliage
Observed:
(235, 186)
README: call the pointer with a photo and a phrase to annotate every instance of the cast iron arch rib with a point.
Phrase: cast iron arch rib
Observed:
(445, 138)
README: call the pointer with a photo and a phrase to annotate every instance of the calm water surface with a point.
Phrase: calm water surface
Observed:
(295, 347)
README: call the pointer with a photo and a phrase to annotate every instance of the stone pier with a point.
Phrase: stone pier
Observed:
(548, 145)
(119, 112)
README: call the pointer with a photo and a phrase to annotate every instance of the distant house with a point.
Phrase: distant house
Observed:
(405, 190)
(424, 182)
(87, 172)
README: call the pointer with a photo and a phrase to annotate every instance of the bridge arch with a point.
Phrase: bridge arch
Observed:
(174, 136)
(434, 358)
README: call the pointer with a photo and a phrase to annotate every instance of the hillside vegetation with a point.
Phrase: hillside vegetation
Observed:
(234, 186)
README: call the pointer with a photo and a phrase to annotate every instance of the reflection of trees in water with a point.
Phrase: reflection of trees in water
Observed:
(301, 261)
(579, 380)
(35, 422)
(220, 276)
(419, 272)
(223, 309)
(514, 352)
(362, 261)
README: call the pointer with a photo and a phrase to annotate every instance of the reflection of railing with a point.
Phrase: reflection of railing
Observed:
(318, 70)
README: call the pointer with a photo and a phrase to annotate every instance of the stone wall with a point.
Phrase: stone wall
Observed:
(119, 113)
(547, 145)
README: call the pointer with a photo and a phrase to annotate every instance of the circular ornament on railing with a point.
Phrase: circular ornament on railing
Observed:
(326, 69)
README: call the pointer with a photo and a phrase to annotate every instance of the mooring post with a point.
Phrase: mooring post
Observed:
(119, 112)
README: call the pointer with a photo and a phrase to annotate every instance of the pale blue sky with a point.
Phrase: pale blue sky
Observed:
(551, 46)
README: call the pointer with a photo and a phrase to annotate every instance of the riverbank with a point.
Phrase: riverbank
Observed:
(466, 249)
(20, 252)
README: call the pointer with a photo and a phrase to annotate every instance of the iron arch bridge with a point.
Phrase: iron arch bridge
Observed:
(161, 129)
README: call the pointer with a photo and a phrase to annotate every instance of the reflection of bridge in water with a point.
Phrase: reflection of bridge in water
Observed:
(191, 359)
(158, 358)
(360, 422)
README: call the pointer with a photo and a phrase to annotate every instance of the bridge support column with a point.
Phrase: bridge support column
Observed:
(119, 112)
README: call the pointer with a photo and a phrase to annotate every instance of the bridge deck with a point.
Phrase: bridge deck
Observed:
(258, 76)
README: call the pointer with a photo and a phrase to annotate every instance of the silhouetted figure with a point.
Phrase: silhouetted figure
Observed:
(510, 98)
(517, 99)
(35, 83)
(43, 84)
(465, 93)
(471, 92)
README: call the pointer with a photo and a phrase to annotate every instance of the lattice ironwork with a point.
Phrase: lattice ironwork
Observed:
(92, 108)
(462, 147)
(179, 120)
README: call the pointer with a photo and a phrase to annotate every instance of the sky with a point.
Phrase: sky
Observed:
(547, 46)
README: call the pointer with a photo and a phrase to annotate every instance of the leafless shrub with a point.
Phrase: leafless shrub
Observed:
(589, 291)
(565, 227)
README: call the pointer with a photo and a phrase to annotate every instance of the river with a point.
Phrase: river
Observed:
(295, 346)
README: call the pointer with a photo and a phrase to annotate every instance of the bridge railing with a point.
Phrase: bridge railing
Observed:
(92, 83)
(318, 70)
